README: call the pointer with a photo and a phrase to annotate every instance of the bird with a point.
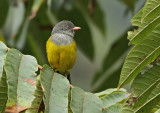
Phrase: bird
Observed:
(61, 48)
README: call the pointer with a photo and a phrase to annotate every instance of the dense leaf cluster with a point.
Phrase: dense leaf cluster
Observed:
(142, 63)
(23, 89)
(27, 24)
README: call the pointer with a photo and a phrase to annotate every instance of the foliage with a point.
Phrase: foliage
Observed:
(143, 60)
(22, 92)
(27, 24)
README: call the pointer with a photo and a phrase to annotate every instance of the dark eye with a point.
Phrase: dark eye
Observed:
(68, 27)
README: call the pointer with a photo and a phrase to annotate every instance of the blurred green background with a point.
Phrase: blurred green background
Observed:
(102, 41)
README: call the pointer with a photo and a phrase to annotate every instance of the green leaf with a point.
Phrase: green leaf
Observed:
(3, 93)
(145, 88)
(4, 9)
(113, 98)
(84, 102)
(37, 4)
(35, 7)
(142, 98)
(3, 52)
(110, 97)
(148, 21)
(136, 19)
(143, 82)
(158, 111)
(127, 108)
(116, 108)
(20, 70)
(56, 90)
(109, 91)
(22, 38)
(151, 10)
(146, 91)
(13, 22)
(141, 55)
(38, 98)
(149, 105)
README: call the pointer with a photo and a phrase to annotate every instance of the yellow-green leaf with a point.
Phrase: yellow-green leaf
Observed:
(141, 55)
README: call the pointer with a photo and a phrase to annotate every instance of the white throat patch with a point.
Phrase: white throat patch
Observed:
(61, 39)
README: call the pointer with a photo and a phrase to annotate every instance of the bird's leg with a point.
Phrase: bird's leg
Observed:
(67, 75)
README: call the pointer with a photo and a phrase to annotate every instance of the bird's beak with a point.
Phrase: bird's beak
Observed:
(76, 28)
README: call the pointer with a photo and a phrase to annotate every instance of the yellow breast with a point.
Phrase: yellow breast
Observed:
(61, 57)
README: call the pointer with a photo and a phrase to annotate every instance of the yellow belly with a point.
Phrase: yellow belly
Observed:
(61, 57)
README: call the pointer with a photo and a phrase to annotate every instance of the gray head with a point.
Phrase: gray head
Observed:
(63, 32)
(65, 27)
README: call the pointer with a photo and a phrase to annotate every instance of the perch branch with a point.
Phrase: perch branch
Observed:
(40, 67)
(103, 108)
(8, 49)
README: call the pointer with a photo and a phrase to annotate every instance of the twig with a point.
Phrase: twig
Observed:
(40, 67)
(71, 86)
(8, 49)
(103, 108)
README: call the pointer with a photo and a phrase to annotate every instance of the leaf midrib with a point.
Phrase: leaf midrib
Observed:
(139, 64)
(144, 28)
(50, 91)
(150, 12)
(148, 88)
(84, 101)
(18, 81)
(147, 102)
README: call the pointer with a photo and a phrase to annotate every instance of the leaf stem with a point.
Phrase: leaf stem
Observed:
(40, 67)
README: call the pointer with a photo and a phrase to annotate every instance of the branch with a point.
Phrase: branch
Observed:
(40, 67)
